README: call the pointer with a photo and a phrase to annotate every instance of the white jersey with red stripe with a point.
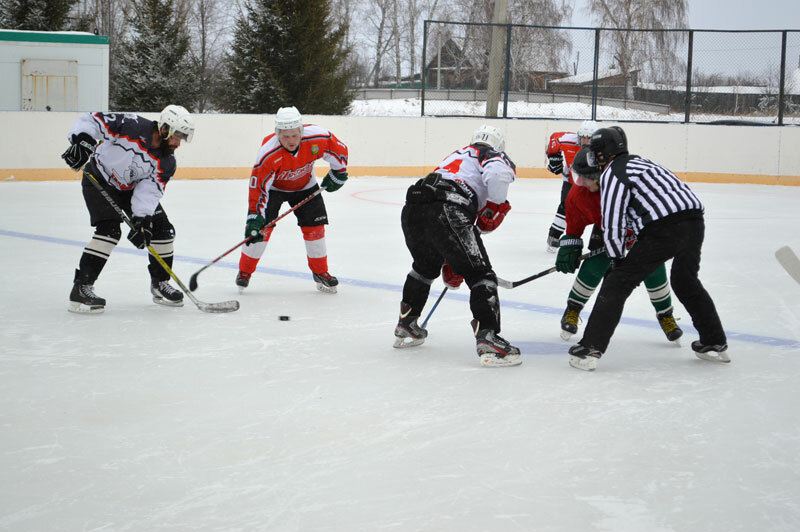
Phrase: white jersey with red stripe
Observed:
(125, 157)
(486, 171)
(277, 168)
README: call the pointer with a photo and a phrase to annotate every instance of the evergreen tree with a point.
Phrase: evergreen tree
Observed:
(286, 52)
(35, 15)
(153, 68)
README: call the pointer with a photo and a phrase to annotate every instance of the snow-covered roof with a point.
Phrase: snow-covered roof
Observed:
(586, 77)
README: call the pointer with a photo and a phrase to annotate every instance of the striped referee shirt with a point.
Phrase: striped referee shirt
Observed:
(635, 192)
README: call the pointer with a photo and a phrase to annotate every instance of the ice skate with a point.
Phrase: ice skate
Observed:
(242, 280)
(407, 332)
(569, 321)
(165, 294)
(326, 282)
(669, 326)
(584, 358)
(82, 299)
(494, 350)
(713, 353)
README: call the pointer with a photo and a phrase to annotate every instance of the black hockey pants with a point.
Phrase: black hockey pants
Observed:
(438, 225)
(678, 237)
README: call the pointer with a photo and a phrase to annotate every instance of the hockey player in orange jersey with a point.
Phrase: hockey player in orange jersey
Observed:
(283, 172)
(561, 149)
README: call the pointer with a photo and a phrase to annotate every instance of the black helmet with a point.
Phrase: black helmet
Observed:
(585, 166)
(608, 142)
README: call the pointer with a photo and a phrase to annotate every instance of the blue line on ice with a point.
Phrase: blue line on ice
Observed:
(528, 347)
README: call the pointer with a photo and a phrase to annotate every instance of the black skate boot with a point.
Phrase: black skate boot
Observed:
(165, 294)
(669, 326)
(493, 349)
(584, 358)
(714, 353)
(82, 299)
(552, 240)
(326, 282)
(242, 280)
(569, 321)
(407, 332)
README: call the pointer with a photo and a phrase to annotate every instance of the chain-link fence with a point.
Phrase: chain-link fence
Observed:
(520, 71)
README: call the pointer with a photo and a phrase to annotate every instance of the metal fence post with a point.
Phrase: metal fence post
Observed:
(688, 98)
(423, 72)
(508, 69)
(781, 94)
(596, 74)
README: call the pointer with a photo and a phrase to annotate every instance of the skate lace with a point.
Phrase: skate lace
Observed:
(88, 290)
(572, 317)
(668, 323)
(165, 288)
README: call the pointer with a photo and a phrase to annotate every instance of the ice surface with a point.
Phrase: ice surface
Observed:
(150, 418)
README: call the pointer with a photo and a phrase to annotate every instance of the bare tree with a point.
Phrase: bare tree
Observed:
(654, 52)
(209, 22)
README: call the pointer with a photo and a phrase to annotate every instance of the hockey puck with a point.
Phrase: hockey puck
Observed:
(283, 318)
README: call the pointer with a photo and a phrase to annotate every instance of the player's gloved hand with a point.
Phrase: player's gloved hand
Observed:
(79, 152)
(255, 222)
(556, 163)
(334, 180)
(451, 279)
(491, 216)
(569, 253)
(142, 232)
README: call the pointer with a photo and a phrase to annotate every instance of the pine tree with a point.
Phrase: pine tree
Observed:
(35, 15)
(153, 68)
(285, 52)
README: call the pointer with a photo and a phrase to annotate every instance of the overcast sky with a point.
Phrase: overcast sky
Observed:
(732, 15)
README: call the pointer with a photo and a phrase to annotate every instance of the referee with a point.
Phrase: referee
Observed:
(668, 220)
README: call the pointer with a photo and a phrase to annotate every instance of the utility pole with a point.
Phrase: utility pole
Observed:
(496, 56)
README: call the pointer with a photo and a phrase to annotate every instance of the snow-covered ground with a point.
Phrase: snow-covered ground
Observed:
(568, 110)
(150, 418)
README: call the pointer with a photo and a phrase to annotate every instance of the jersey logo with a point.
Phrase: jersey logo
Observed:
(314, 149)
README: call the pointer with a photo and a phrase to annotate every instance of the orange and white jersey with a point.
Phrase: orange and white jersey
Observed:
(276, 168)
(567, 143)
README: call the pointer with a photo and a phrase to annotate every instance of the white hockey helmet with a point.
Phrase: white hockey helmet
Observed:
(587, 128)
(178, 121)
(288, 118)
(490, 136)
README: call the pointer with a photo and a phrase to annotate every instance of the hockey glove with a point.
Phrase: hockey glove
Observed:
(556, 163)
(255, 222)
(79, 152)
(451, 279)
(491, 216)
(142, 231)
(334, 180)
(569, 253)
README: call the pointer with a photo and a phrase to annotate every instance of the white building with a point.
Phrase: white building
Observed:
(53, 71)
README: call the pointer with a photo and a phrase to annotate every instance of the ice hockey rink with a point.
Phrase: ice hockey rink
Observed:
(150, 418)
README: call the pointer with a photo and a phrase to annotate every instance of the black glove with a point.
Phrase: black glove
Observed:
(569, 253)
(556, 164)
(255, 222)
(78, 154)
(334, 180)
(142, 231)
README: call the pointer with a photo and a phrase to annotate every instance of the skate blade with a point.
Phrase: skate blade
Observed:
(167, 302)
(326, 289)
(241, 289)
(401, 342)
(80, 308)
(551, 249)
(491, 360)
(713, 356)
(676, 342)
(566, 335)
(585, 364)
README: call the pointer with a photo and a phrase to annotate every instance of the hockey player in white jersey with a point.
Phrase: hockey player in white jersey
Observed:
(443, 219)
(133, 162)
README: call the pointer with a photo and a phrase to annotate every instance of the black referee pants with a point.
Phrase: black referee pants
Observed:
(678, 237)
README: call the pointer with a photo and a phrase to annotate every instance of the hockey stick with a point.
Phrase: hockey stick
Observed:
(513, 284)
(224, 306)
(193, 279)
(789, 261)
(424, 323)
